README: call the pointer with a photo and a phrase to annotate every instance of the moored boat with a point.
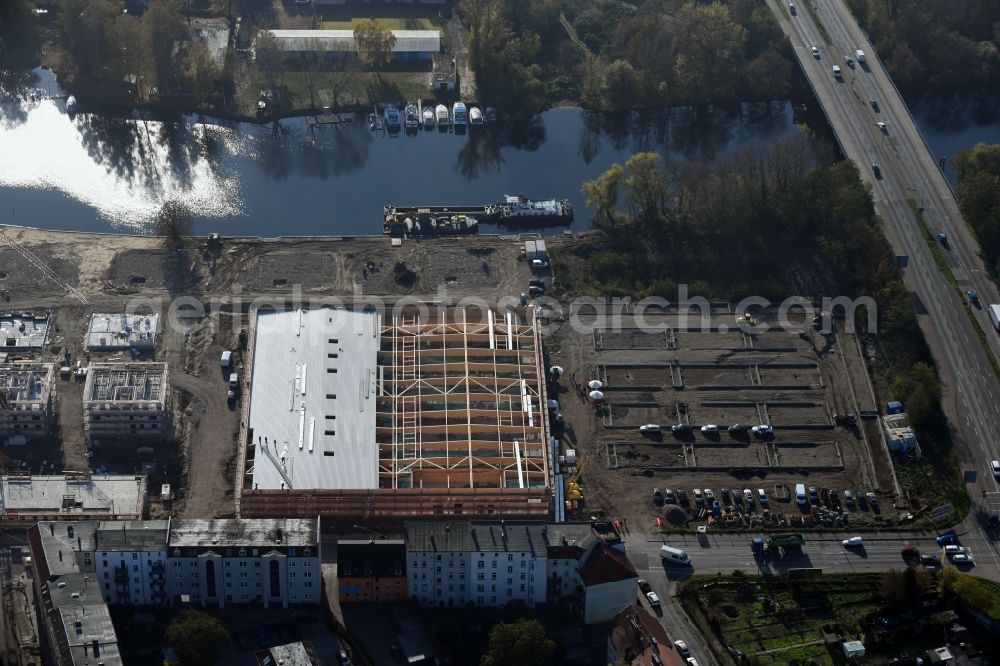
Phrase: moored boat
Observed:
(475, 116)
(392, 122)
(521, 210)
(428, 117)
(458, 114)
(410, 119)
(443, 119)
(71, 105)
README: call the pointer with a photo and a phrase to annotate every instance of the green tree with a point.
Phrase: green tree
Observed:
(167, 30)
(521, 643)
(710, 52)
(202, 70)
(174, 221)
(646, 187)
(374, 43)
(196, 637)
(602, 192)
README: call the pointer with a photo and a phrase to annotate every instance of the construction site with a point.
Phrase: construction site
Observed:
(126, 400)
(423, 410)
(714, 401)
(27, 392)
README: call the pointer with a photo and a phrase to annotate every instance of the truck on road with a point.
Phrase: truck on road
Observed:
(860, 55)
(777, 545)
(994, 311)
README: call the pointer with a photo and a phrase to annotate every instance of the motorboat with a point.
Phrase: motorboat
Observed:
(428, 117)
(392, 121)
(458, 114)
(491, 114)
(410, 118)
(518, 209)
(71, 105)
(443, 119)
(372, 121)
(475, 116)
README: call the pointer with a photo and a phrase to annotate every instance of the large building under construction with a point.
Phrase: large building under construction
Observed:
(126, 400)
(27, 392)
(356, 414)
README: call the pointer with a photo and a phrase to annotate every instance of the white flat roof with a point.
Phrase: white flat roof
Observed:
(23, 331)
(420, 41)
(121, 331)
(114, 495)
(312, 402)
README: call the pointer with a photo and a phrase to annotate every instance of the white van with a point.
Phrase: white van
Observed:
(674, 555)
(800, 494)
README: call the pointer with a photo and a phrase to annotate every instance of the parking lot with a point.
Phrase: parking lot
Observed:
(702, 390)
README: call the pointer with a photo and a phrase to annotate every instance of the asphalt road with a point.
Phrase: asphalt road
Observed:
(909, 172)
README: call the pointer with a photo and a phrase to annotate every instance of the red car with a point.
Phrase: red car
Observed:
(909, 553)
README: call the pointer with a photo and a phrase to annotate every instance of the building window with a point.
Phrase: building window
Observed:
(275, 583)
(510, 557)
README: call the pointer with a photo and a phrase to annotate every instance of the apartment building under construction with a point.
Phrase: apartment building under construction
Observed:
(422, 411)
(27, 396)
(126, 400)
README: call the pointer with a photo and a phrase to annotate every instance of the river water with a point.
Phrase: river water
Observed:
(98, 173)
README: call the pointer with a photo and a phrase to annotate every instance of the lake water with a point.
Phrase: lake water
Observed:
(95, 173)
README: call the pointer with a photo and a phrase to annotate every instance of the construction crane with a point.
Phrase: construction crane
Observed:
(10, 242)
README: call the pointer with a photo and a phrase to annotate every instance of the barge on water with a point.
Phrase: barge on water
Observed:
(511, 211)
(426, 223)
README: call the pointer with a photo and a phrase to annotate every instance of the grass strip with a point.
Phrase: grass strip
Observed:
(819, 24)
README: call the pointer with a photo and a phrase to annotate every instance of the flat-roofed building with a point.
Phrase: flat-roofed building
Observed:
(27, 392)
(118, 331)
(23, 332)
(426, 411)
(331, 44)
(126, 400)
(72, 496)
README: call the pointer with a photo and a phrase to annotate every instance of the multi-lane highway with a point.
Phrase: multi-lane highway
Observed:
(908, 172)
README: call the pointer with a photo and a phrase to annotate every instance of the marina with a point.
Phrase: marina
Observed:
(512, 210)
(329, 119)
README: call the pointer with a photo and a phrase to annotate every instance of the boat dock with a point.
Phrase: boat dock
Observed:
(330, 119)
(394, 215)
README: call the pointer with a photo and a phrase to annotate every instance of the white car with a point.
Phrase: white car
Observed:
(682, 648)
(691, 661)
(853, 542)
(650, 428)
(709, 495)
(995, 466)
(653, 599)
(762, 430)
(815, 52)
(762, 497)
(709, 429)
(697, 496)
(882, 126)
(951, 550)
(748, 495)
(962, 558)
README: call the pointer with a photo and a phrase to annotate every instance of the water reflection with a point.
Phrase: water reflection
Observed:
(100, 173)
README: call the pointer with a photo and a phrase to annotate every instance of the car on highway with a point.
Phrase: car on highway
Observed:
(947, 538)
(762, 497)
(853, 542)
(876, 170)
(836, 71)
(645, 586)
(882, 126)
(709, 429)
(654, 600)
(682, 648)
(874, 105)
(973, 297)
(951, 550)
(815, 52)
(748, 496)
(910, 554)
(995, 466)
(963, 558)
(943, 237)
(649, 428)
(849, 60)
(762, 430)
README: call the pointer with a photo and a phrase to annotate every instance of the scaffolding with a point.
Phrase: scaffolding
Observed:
(126, 399)
(26, 399)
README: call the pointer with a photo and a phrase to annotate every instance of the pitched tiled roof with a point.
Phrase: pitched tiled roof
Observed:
(606, 565)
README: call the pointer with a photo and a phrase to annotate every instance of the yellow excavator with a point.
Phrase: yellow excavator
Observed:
(573, 491)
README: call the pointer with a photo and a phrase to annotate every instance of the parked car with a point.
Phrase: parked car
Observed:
(930, 561)
(995, 466)
(725, 496)
(813, 495)
(738, 427)
(737, 496)
(668, 496)
(649, 428)
(682, 496)
(697, 496)
(951, 550)
(709, 429)
(762, 497)
(709, 495)
(657, 496)
(682, 648)
(748, 495)
(962, 558)
(853, 542)
(680, 427)
(849, 499)
(762, 430)
(654, 600)
(871, 499)
(947, 538)
(645, 586)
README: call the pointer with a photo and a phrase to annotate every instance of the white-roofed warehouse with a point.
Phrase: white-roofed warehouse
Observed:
(329, 44)
(361, 415)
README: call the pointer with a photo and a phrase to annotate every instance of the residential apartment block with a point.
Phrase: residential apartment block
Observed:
(371, 570)
(454, 563)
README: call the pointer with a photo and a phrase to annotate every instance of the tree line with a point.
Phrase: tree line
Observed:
(120, 56)
(978, 174)
(935, 47)
(611, 55)
(766, 221)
